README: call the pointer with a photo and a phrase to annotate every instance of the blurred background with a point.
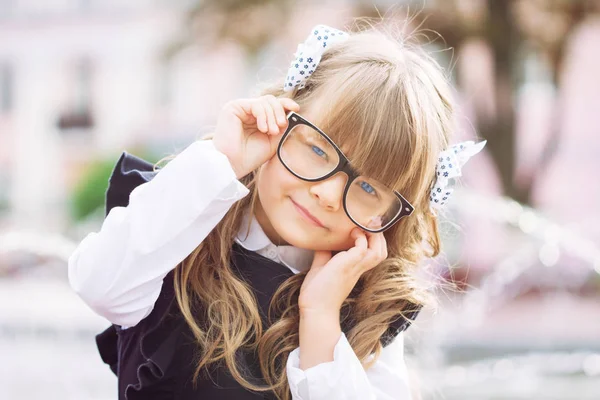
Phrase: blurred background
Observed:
(83, 80)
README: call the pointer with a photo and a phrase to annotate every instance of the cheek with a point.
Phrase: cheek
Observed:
(342, 240)
(274, 181)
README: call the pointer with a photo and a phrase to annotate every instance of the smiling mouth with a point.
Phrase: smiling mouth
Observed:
(306, 215)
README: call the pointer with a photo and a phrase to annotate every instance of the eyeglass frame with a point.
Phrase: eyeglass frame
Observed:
(345, 166)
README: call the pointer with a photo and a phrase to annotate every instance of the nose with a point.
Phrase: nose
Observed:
(330, 192)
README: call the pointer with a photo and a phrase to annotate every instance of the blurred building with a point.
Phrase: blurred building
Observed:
(82, 78)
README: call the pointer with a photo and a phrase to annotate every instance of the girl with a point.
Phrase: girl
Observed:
(278, 259)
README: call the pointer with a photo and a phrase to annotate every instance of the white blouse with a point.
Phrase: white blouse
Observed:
(119, 270)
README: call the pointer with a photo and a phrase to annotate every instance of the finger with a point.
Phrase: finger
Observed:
(380, 249)
(360, 237)
(242, 108)
(270, 113)
(372, 243)
(371, 255)
(360, 248)
(289, 104)
(384, 250)
(279, 112)
(379, 246)
(258, 110)
(362, 240)
(375, 243)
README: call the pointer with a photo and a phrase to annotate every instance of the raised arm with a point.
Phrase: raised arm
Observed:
(119, 270)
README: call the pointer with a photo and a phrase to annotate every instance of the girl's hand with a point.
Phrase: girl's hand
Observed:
(331, 279)
(248, 130)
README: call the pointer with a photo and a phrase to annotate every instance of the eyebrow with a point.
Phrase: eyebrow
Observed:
(358, 171)
(319, 137)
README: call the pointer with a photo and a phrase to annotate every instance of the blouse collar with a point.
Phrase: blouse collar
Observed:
(295, 258)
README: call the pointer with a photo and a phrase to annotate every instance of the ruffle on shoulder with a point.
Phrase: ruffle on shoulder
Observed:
(129, 172)
(142, 355)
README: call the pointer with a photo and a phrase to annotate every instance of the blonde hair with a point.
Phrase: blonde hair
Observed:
(385, 100)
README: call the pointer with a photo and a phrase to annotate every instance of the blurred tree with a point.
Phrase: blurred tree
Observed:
(88, 195)
(508, 28)
(251, 23)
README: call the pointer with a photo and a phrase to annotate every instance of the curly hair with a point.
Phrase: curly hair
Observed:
(402, 111)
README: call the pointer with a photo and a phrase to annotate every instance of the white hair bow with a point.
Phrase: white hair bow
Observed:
(308, 55)
(448, 167)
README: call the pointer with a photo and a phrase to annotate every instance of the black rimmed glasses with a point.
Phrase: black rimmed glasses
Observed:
(309, 154)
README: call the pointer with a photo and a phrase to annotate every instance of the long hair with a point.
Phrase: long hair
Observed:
(401, 109)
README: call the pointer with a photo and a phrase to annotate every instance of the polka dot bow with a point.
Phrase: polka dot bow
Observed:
(308, 55)
(448, 167)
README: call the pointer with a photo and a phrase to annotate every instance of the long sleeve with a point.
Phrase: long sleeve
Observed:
(345, 378)
(119, 270)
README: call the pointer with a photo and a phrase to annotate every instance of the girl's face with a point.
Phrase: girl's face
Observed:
(283, 199)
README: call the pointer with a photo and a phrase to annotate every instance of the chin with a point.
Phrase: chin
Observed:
(299, 236)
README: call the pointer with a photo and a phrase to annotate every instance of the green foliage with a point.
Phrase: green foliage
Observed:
(88, 196)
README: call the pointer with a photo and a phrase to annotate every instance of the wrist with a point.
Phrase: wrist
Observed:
(236, 170)
(320, 313)
(238, 174)
(319, 332)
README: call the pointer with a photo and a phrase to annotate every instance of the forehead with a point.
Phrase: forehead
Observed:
(346, 145)
(306, 131)
(372, 153)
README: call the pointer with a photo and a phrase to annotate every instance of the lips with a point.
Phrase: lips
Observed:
(304, 212)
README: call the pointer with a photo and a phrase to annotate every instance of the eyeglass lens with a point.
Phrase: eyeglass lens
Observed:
(309, 155)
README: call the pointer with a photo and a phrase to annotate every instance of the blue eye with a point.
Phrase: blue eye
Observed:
(367, 188)
(319, 152)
